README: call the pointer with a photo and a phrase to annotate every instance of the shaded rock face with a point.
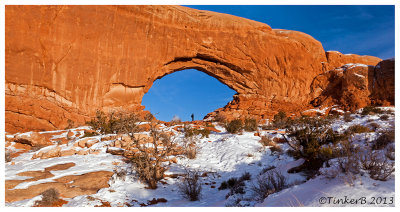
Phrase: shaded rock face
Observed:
(65, 62)
(382, 83)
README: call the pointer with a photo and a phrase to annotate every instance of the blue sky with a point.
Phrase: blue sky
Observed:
(363, 30)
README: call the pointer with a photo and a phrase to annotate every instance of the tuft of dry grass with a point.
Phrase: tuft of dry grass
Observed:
(49, 197)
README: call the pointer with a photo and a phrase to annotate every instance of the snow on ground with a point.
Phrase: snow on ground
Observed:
(333, 192)
(221, 156)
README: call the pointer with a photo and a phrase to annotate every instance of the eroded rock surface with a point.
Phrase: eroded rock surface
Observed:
(65, 62)
(382, 85)
(354, 86)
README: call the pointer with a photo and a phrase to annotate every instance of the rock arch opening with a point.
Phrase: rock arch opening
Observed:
(185, 92)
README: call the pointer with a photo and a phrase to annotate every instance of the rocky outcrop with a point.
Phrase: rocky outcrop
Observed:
(65, 62)
(336, 59)
(68, 186)
(353, 86)
(382, 83)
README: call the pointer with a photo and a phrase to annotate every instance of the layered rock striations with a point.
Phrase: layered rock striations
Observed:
(65, 62)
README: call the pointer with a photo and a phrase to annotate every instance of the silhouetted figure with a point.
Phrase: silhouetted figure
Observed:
(192, 117)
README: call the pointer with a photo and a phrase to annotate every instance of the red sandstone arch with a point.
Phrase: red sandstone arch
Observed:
(65, 62)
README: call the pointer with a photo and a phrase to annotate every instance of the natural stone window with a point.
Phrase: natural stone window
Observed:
(185, 92)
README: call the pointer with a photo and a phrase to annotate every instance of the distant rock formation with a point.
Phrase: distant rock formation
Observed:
(65, 62)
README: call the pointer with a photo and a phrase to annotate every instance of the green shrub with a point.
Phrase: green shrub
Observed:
(190, 132)
(383, 140)
(234, 126)
(308, 136)
(358, 129)
(89, 134)
(250, 125)
(384, 117)
(371, 110)
(114, 122)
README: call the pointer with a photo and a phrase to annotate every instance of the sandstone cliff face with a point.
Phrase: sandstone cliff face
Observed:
(382, 83)
(65, 62)
(353, 86)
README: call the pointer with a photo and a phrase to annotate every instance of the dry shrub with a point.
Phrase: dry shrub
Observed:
(8, 157)
(384, 117)
(250, 125)
(149, 117)
(220, 118)
(190, 147)
(377, 166)
(390, 152)
(266, 141)
(70, 124)
(245, 176)
(236, 185)
(371, 110)
(358, 129)
(269, 183)
(267, 169)
(279, 140)
(89, 134)
(348, 159)
(374, 126)
(120, 174)
(176, 120)
(383, 140)
(49, 197)
(234, 126)
(190, 132)
(190, 187)
(151, 161)
(347, 117)
(280, 120)
(114, 122)
(276, 148)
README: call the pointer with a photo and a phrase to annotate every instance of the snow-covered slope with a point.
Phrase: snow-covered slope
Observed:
(221, 156)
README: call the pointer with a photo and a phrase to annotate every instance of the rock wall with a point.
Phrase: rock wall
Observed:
(65, 62)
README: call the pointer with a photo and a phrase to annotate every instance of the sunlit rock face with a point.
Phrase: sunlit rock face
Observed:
(65, 62)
